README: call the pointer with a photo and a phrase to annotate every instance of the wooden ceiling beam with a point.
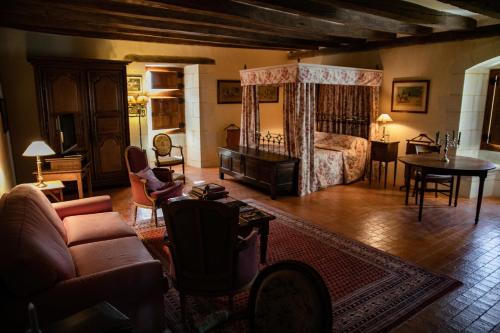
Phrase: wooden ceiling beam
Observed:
(489, 8)
(169, 59)
(438, 37)
(162, 29)
(130, 9)
(406, 12)
(350, 17)
(271, 18)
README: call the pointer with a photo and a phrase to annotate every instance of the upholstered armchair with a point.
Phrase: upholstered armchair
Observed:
(207, 257)
(149, 186)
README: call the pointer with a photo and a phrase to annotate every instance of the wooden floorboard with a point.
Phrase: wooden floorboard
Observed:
(446, 241)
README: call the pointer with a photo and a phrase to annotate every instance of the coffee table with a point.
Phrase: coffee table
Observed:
(250, 217)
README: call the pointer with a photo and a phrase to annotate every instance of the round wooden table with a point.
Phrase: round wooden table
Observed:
(457, 166)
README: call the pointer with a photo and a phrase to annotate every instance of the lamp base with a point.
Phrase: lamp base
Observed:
(41, 184)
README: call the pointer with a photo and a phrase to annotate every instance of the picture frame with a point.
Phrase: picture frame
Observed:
(410, 96)
(229, 92)
(134, 84)
(268, 94)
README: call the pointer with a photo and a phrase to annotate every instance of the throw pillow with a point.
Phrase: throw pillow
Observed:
(153, 183)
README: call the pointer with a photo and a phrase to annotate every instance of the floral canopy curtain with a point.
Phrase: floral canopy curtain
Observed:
(347, 109)
(250, 117)
(299, 106)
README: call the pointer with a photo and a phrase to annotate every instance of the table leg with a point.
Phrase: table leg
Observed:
(479, 196)
(422, 191)
(457, 190)
(80, 186)
(379, 171)
(451, 190)
(385, 176)
(89, 183)
(264, 233)
(371, 172)
(407, 183)
(395, 172)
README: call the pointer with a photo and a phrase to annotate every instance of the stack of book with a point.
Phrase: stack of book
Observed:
(208, 192)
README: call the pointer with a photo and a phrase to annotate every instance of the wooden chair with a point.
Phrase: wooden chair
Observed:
(288, 296)
(162, 146)
(446, 180)
(142, 196)
(207, 257)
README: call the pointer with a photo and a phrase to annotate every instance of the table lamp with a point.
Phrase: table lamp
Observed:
(384, 118)
(38, 148)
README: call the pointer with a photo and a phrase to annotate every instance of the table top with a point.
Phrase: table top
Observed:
(458, 163)
(51, 185)
(50, 171)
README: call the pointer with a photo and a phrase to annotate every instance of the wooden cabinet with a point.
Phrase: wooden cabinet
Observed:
(274, 172)
(94, 92)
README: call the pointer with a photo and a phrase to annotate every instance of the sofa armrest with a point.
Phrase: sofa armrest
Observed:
(91, 205)
(126, 285)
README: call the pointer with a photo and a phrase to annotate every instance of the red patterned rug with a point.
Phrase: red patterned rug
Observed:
(371, 290)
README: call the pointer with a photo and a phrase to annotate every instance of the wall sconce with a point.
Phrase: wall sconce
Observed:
(137, 108)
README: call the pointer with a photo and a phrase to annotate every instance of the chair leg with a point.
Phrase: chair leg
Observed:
(155, 214)
(135, 215)
(416, 190)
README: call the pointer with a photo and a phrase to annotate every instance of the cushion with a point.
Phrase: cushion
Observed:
(153, 184)
(96, 227)
(108, 254)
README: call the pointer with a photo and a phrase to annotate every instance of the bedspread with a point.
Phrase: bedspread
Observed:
(328, 168)
(353, 151)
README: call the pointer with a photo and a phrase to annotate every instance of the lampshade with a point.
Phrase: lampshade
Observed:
(131, 100)
(38, 148)
(142, 99)
(384, 117)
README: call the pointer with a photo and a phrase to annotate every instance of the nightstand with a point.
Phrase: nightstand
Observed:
(384, 151)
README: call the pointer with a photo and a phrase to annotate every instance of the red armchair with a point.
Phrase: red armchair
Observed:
(68, 256)
(142, 194)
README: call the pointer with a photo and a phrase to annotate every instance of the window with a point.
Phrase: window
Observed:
(490, 139)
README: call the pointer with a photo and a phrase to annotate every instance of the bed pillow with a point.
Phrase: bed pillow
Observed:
(153, 183)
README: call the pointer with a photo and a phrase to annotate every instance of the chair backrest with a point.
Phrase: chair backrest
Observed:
(135, 159)
(163, 144)
(289, 296)
(203, 238)
(33, 251)
(426, 149)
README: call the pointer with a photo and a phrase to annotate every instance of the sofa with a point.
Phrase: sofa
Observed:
(68, 256)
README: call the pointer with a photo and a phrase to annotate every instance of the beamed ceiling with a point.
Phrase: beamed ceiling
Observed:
(305, 28)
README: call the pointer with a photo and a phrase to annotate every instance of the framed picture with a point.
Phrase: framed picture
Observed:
(229, 92)
(134, 83)
(410, 96)
(269, 94)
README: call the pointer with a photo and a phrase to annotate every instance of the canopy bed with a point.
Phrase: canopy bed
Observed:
(329, 115)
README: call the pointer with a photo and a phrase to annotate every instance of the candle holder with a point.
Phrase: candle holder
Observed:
(449, 143)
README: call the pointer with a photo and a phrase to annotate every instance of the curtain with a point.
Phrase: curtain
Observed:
(250, 117)
(347, 109)
(299, 110)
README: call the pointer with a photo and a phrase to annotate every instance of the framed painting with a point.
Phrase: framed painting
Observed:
(134, 84)
(268, 94)
(229, 92)
(410, 96)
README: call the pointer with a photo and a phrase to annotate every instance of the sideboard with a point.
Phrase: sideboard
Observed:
(274, 172)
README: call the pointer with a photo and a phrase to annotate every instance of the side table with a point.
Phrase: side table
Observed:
(71, 175)
(384, 151)
(54, 189)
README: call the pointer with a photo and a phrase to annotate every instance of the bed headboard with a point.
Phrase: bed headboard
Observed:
(342, 125)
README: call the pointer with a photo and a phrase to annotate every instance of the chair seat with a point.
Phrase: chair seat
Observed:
(173, 191)
(169, 160)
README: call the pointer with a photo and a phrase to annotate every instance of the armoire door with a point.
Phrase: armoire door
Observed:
(109, 127)
(63, 91)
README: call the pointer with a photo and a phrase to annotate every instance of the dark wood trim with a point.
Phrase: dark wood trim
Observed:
(169, 59)
(438, 37)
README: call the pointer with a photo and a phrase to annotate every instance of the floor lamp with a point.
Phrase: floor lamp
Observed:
(137, 108)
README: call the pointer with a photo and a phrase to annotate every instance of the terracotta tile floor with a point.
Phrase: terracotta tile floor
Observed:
(446, 241)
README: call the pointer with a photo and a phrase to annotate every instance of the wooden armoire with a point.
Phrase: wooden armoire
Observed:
(94, 92)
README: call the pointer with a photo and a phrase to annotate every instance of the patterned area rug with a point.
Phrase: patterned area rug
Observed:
(371, 290)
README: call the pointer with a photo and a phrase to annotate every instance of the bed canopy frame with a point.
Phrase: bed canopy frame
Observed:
(348, 97)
